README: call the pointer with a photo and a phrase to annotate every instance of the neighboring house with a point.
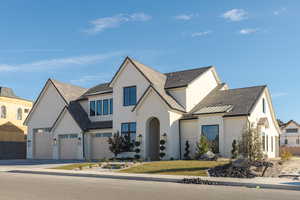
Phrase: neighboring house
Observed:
(13, 111)
(290, 134)
(70, 122)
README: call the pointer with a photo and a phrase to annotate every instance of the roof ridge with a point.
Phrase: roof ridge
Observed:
(210, 66)
(262, 86)
(54, 80)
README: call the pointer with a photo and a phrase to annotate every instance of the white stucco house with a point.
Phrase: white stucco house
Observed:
(290, 134)
(70, 122)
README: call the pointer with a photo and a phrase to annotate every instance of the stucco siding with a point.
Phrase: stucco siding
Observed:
(67, 125)
(290, 137)
(189, 132)
(270, 131)
(46, 112)
(129, 76)
(199, 88)
(180, 95)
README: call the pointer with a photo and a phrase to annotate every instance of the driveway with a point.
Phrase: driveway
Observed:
(6, 165)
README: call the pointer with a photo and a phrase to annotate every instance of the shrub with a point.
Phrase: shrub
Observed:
(162, 154)
(137, 156)
(162, 148)
(234, 151)
(202, 147)
(117, 144)
(162, 142)
(285, 155)
(250, 145)
(187, 151)
(137, 150)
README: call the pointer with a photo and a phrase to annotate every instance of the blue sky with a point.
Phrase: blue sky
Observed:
(83, 42)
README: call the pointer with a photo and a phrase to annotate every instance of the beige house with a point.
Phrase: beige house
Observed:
(70, 122)
(13, 112)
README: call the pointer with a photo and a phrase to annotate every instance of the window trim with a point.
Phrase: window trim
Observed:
(129, 132)
(107, 109)
(264, 105)
(101, 111)
(90, 103)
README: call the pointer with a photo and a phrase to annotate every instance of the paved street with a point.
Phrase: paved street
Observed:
(44, 187)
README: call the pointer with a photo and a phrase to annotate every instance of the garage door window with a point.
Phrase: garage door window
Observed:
(68, 136)
(103, 135)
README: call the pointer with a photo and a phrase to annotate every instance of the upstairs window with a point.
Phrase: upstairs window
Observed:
(99, 107)
(105, 107)
(291, 130)
(129, 96)
(3, 112)
(92, 108)
(110, 106)
(19, 114)
(264, 105)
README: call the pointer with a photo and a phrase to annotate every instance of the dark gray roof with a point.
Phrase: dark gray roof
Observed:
(101, 125)
(79, 115)
(101, 88)
(82, 119)
(69, 92)
(7, 92)
(183, 78)
(242, 99)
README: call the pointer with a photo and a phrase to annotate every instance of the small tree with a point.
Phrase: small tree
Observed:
(250, 145)
(187, 151)
(234, 151)
(202, 147)
(117, 144)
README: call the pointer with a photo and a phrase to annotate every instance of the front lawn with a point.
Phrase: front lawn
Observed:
(188, 168)
(74, 166)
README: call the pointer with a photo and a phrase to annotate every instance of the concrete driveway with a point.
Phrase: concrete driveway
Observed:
(6, 165)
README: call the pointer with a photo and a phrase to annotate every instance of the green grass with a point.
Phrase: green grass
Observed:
(74, 166)
(187, 168)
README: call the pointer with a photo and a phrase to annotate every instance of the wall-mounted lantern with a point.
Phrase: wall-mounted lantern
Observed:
(139, 138)
(54, 141)
(164, 136)
(79, 140)
(28, 142)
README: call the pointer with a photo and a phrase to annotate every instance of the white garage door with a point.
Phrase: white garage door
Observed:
(68, 146)
(42, 145)
(100, 146)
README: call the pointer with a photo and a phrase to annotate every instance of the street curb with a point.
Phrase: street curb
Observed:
(164, 179)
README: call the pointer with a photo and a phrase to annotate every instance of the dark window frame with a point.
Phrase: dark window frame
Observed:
(129, 100)
(111, 106)
(93, 112)
(218, 128)
(105, 104)
(99, 112)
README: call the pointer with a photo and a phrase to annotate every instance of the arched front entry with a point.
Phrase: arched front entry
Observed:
(152, 139)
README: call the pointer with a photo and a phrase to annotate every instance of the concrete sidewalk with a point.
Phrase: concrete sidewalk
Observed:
(259, 182)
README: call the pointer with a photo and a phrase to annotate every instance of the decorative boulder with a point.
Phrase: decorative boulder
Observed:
(208, 156)
(241, 163)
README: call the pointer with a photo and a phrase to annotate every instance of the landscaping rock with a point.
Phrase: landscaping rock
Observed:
(208, 156)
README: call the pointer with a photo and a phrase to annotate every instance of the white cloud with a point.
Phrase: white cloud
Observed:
(199, 34)
(91, 78)
(235, 15)
(280, 11)
(100, 24)
(279, 94)
(185, 17)
(248, 31)
(59, 62)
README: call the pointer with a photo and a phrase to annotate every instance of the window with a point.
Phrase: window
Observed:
(105, 107)
(103, 135)
(267, 141)
(92, 108)
(211, 132)
(3, 112)
(129, 129)
(110, 106)
(99, 107)
(298, 140)
(129, 96)
(264, 142)
(291, 130)
(272, 144)
(264, 106)
(286, 141)
(19, 114)
(26, 110)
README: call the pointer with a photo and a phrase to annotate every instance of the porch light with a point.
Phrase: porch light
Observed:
(164, 136)
(54, 141)
(79, 140)
(139, 138)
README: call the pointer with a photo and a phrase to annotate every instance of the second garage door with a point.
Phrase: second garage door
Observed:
(68, 146)
(42, 144)
(100, 146)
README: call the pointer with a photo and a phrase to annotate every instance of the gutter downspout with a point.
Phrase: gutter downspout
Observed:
(83, 146)
(179, 126)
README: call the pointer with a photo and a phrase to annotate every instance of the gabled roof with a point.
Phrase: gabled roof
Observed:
(242, 100)
(183, 78)
(67, 91)
(10, 127)
(8, 92)
(288, 123)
